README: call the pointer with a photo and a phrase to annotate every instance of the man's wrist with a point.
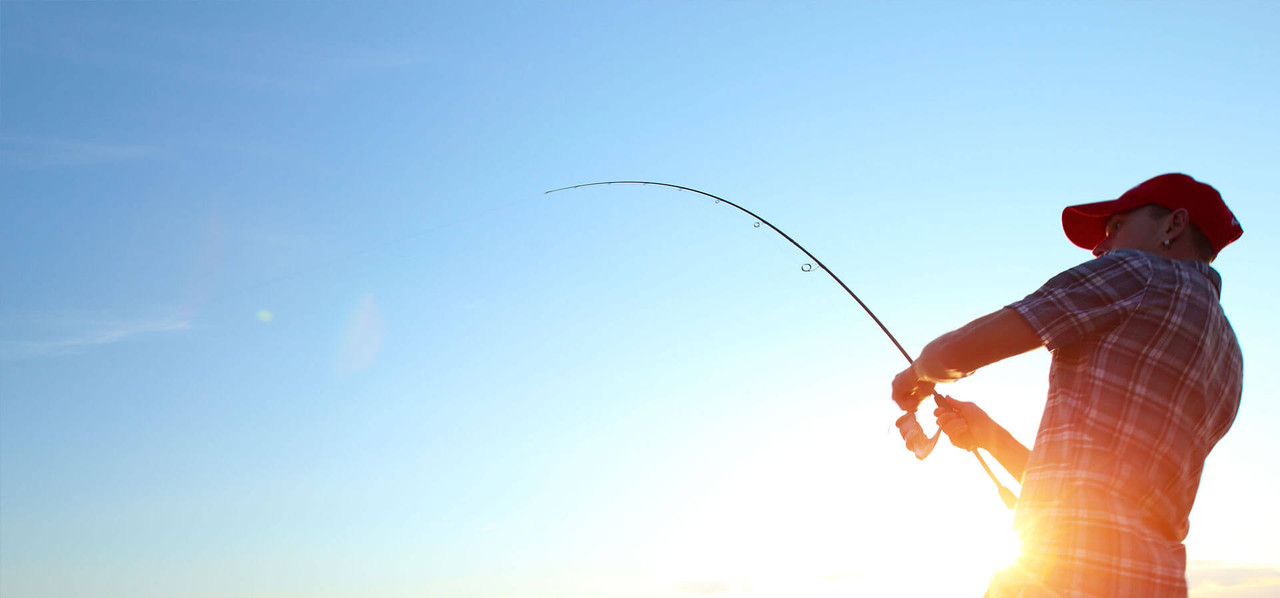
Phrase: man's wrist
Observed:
(925, 370)
(930, 368)
(993, 437)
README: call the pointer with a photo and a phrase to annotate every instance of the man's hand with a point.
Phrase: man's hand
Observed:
(971, 428)
(968, 426)
(909, 389)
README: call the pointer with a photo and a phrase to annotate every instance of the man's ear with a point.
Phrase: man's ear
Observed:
(1177, 222)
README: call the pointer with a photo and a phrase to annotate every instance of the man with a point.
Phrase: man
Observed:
(1145, 379)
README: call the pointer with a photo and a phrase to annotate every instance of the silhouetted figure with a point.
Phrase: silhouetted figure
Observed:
(1145, 380)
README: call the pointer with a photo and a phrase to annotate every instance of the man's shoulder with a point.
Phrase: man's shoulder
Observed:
(1115, 265)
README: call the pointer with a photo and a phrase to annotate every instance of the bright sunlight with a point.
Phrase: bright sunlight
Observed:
(792, 519)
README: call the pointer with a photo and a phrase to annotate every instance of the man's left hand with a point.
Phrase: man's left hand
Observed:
(909, 390)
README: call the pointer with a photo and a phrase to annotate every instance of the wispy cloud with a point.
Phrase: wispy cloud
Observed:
(302, 70)
(47, 152)
(706, 588)
(89, 335)
(1207, 579)
(1233, 580)
(364, 59)
(222, 57)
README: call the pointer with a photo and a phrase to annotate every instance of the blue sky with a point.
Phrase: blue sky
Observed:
(286, 311)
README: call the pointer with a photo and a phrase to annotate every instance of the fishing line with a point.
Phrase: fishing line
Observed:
(915, 437)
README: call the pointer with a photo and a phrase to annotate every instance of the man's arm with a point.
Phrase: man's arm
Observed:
(979, 343)
(958, 353)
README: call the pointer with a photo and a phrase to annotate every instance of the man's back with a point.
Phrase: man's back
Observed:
(1146, 378)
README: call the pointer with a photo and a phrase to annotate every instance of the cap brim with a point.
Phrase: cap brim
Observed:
(1086, 224)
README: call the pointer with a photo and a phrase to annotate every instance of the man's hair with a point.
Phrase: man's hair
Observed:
(1204, 249)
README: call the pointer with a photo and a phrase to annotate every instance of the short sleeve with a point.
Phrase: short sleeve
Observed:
(1087, 300)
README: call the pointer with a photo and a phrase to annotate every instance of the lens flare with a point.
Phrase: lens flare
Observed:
(362, 340)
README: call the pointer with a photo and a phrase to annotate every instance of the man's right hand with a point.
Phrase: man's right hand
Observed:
(967, 425)
(971, 428)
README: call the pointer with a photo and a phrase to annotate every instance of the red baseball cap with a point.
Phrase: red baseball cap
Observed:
(1085, 224)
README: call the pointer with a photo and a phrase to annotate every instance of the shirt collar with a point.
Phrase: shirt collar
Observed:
(1209, 273)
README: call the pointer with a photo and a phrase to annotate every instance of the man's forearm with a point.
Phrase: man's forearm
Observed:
(1011, 454)
(981, 342)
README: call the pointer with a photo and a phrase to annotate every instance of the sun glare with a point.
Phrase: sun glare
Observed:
(793, 519)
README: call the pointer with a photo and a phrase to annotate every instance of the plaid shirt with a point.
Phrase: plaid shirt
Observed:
(1146, 378)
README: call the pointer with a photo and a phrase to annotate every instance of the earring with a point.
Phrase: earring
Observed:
(1167, 243)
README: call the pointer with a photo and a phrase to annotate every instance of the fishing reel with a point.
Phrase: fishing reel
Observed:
(917, 441)
(913, 434)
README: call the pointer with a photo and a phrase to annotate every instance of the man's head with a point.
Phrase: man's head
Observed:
(1172, 215)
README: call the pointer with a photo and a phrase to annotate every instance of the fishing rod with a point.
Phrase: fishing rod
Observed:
(910, 429)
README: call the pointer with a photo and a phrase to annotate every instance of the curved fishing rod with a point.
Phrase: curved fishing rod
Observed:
(909, 432)
(776, 230)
